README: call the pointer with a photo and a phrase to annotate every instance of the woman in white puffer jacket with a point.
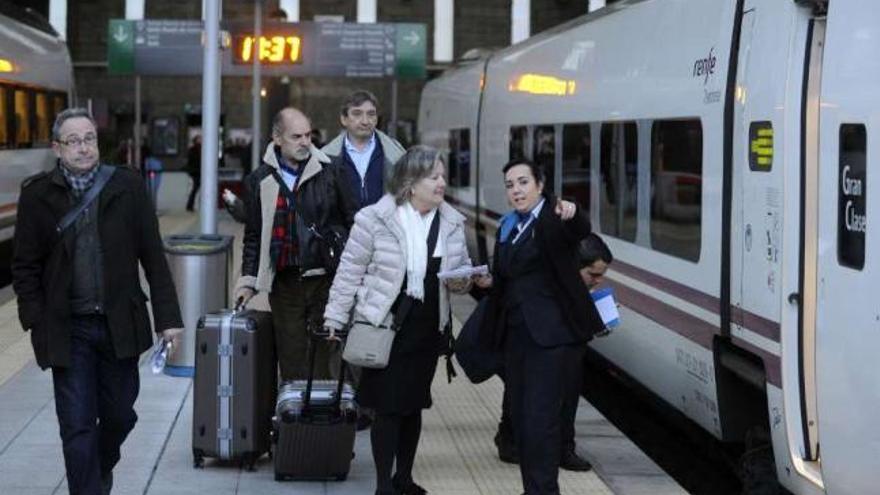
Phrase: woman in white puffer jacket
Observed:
(394, 251)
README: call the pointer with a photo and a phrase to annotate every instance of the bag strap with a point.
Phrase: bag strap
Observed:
(103, 176)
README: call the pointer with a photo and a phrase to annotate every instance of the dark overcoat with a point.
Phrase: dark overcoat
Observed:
(42, 266)
(558, 241)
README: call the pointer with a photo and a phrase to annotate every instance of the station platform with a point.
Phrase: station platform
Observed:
(456, 455)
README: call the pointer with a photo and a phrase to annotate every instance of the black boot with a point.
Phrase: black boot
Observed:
(407, 487)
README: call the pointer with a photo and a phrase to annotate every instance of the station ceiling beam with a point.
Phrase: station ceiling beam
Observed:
(444, 19)
(291, 7)
(366, 11)
(58, 16)
(520, 20)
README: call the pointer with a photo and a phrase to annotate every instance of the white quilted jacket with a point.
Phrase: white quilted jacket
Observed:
(373, 265)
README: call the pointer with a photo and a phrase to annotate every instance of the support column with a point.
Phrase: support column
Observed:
(444, 19)
(291, 7)
(366, 11)
(595, 5)
(256, 86)
(520, 20)
(210, 117)
(58, 16)
(134, 11)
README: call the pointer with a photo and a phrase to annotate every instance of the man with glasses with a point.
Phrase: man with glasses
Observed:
(82, 230)
(364, 152)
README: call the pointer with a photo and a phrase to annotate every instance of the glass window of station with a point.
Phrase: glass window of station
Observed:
(459, 172)
(677, 187)
(618, 187)
(576, 155)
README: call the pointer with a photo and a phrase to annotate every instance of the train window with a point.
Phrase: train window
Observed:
(576, 149)
(44, 118)
(519, 143)
(761, 146)
(459, 172)
(852, 217)
(677, 187)
(544, 153)
(22, 118)
(4, 117)
(618, 190)
(59, 103)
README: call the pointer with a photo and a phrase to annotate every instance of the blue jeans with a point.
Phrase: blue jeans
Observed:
(94, 401)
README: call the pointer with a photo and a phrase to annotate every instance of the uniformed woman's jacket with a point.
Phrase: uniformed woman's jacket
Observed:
(373, 266)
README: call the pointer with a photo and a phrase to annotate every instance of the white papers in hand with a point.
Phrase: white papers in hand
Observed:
(463, 272)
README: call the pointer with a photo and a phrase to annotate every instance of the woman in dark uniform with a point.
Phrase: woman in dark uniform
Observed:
(540, 313)
(389, 268)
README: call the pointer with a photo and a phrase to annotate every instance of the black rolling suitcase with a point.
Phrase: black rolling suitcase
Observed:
(234, 387)
(314, 427)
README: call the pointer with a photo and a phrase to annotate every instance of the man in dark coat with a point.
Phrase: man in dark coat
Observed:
(295, 204)
(194, 169)
(365, 153)
(79, 294)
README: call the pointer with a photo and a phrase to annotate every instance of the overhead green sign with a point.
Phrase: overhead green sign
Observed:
(411, 50)
(120, 46)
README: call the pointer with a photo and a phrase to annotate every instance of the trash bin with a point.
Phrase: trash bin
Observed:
(200, 265)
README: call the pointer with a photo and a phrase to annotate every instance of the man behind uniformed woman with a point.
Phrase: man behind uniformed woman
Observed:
(365, 153)
(79, 294)
(291, 197)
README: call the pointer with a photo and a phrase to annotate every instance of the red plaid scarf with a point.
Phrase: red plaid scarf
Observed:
(283, 248)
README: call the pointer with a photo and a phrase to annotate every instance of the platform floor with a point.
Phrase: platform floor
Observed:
(456, 454)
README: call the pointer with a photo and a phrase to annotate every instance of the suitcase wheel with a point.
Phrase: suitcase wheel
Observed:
(198, 459)
(341, 477)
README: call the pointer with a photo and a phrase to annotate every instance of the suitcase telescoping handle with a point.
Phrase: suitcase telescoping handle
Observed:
(317, 340)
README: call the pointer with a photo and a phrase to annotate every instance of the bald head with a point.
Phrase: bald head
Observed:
(291, 132)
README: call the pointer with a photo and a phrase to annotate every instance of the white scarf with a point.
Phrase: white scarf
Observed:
(415, 230)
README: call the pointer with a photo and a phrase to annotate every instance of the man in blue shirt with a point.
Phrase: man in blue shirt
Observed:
(364, 152)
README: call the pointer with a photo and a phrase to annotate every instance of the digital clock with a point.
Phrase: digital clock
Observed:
(270, 50)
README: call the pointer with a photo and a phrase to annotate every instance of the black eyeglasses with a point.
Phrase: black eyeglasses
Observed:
(88, 140)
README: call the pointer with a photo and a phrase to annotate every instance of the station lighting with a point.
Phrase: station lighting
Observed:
(272, 50)
(540, 84)
(6, 65)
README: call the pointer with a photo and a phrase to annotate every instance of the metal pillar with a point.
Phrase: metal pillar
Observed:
(134, 9)
(595, 5)
(366, 11)
(256, 85)
(392, 125)
(210, 117)
(520, 20)
(137, 123)
(444, 18)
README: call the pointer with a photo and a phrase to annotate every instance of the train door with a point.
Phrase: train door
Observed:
(848, 266)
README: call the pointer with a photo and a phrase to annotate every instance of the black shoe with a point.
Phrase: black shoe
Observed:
(364, 421)
(410, 488)
(573, 462)
(507, 450)
(106, 483)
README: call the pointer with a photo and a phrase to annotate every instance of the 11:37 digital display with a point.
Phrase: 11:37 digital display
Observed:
(271, 50)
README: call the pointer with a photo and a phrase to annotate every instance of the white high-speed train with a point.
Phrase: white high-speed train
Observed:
(722, 149)
(36, 82)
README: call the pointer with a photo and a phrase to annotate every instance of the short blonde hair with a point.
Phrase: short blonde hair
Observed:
(416, 164)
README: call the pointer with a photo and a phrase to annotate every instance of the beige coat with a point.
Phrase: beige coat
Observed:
(373, 265)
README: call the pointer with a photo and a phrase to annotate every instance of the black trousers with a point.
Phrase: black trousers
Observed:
(197, 183)
(569, 409)
(538, 387)
(298, 308)
(94, 401)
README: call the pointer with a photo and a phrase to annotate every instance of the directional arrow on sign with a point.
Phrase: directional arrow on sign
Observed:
(412, 38)
(121, 34)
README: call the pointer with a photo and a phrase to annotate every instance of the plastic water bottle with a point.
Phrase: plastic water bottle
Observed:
(159, 356)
